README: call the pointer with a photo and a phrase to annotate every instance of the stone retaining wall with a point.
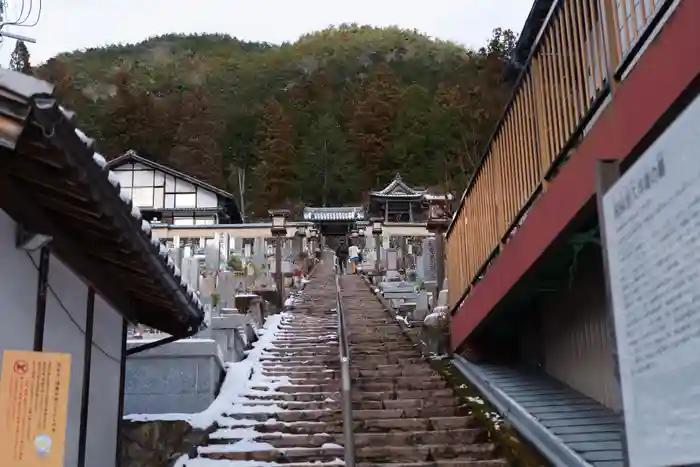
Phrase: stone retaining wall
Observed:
(158, 443)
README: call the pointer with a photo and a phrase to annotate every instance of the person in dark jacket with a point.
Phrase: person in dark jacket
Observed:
(341, 253)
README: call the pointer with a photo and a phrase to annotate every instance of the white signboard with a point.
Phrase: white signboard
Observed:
(652, 227)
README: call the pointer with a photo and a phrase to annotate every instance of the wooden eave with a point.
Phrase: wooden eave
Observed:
(51, 184)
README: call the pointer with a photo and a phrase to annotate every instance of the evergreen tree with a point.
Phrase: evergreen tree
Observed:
(371, 125)
(19, 60)
(275, 172)
(319, 121)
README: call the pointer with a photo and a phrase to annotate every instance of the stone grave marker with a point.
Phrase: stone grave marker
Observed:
(391, 259)
(212, 257)
(428, 260)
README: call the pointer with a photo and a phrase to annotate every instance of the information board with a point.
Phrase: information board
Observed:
(33, 408)
(652, 228)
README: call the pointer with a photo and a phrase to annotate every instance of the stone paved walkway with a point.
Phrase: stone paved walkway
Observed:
(287, 407)
(404, 412)
(289, 412)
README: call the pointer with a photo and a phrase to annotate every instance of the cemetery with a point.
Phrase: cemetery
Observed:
(233, 270)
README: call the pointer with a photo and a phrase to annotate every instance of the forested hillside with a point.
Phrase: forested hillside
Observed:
(319, 121)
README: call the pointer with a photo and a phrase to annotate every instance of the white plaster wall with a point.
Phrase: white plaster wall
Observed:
(234, 231)
(64, 332)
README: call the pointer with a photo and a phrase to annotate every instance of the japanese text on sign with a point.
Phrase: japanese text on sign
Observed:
(33, 408)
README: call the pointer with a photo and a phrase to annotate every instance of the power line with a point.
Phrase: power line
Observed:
(20, 21)
(70, 317)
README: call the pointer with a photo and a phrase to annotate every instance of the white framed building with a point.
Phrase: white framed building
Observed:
(79, 262)
(167, 196)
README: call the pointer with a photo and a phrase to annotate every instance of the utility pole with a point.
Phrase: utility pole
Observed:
(12, 35)
(20, 22)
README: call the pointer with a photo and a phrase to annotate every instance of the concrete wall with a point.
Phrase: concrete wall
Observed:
(574, 333)
(64, 333)
(180, 377)
(207, 231)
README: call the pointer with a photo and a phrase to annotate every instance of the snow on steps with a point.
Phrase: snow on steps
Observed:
(283, 406)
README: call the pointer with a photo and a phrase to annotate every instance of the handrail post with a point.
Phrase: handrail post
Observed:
(345, 381)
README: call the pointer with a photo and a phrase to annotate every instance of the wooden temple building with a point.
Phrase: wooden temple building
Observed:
(398, 202)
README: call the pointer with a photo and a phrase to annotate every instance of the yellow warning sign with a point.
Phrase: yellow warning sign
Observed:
(33, 408)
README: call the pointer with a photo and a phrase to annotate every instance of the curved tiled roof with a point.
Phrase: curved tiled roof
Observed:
(155, 242)
(53, 182)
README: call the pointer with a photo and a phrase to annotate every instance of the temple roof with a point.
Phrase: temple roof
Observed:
(398, 189)
(341, 213)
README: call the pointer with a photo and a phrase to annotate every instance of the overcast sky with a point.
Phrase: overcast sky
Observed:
(66, 25)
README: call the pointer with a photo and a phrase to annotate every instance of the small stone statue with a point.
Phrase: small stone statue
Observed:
(436, 330)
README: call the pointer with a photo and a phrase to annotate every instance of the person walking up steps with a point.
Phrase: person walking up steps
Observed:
(341, 254)
(354, 253)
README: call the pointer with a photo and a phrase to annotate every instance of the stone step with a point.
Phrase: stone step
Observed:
(377, 349)
(409, 412)
(301, 351)
(377, 425)
(318, 415)
(295, 405)
(409, 438)
(430, 378)
(320, 381)
(272, 366)
(290, 341)
(403, 394)
(424, 452)
(331, 374)
(296, 360)
(456, 462)
(330, 387)
(306, 440)
(394, 370)
(283, 456)
(370, 361)
(275, 426)
(403, 403)
(359, 353)
(286, 440)
(297, 396)
(410, 383)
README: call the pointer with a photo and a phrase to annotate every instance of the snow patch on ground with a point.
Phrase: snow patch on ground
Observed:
(240, 378)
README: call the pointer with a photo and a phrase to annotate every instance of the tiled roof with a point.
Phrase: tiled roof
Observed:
(398, 189)
(52, 181)
(132, 156)
(353, 213)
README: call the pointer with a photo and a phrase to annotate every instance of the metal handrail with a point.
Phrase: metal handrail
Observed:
(345, 381)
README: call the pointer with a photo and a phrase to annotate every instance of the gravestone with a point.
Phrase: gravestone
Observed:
(428, 260)
(207, 286)
(422, 308)
(185, 268)
(248, 251)
(211, 257)
(391, 259)
(238, 248)
(176, 255)
(229, 285)
(194, 274)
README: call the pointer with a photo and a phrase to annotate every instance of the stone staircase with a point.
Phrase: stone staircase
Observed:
(404, 413)
(289, 409)
(290, 412)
